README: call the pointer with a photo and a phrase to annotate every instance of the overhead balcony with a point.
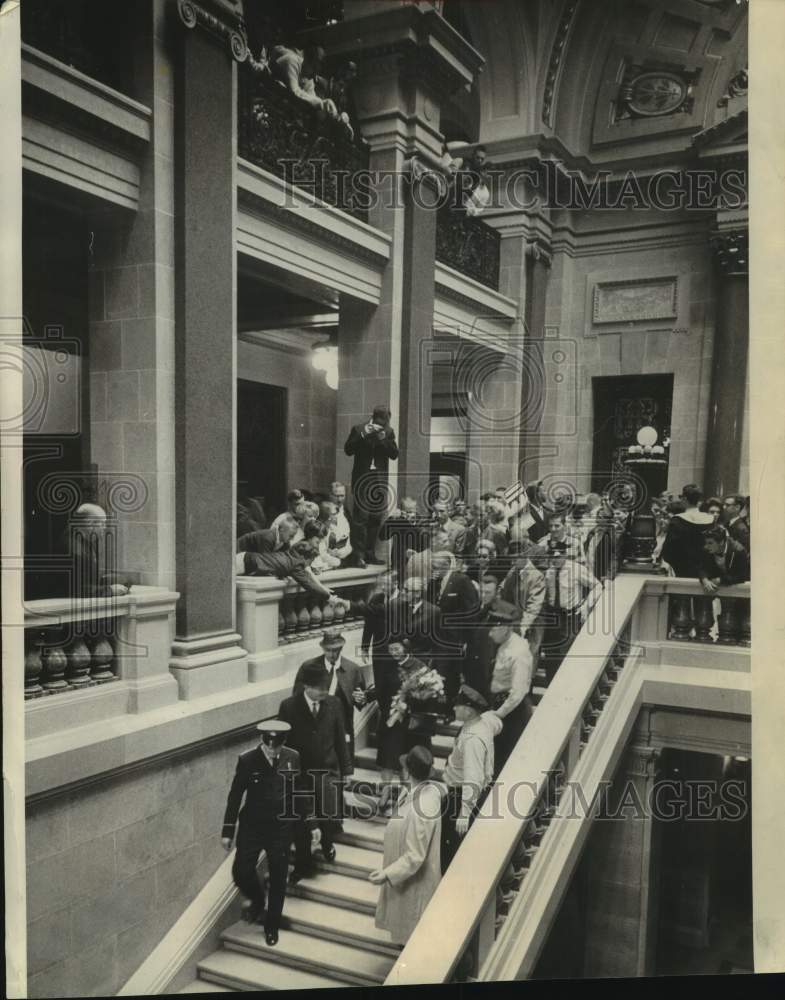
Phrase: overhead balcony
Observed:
(285, 136)
(468, 245)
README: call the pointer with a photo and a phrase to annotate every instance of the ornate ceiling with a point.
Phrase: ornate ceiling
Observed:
(616, 81)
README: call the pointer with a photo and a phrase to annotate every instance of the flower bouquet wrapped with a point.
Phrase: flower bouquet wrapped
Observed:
(421, 691)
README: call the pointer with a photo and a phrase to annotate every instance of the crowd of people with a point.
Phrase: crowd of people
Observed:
(703, 538)
(472, 603)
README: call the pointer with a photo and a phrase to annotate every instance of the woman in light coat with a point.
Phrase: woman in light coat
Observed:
(412, 866)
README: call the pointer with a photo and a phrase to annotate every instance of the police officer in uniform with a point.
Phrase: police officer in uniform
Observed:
(266, 776)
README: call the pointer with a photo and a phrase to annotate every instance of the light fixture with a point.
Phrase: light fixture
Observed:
(324, 358)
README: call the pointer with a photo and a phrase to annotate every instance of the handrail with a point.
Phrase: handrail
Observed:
(467, 889)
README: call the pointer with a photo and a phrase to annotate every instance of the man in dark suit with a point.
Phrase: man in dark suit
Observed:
(373, 447)
(345, 680)
(481, 651)
(724, 564)
(538, 510)
(454, 594)
(738, 528)
(266, 776)
(319, 736)
(420, 622)
(407, 531)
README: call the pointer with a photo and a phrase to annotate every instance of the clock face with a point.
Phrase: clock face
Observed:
(654, 94)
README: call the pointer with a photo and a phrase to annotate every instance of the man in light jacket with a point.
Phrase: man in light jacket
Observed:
(411, 868)
(468, 772)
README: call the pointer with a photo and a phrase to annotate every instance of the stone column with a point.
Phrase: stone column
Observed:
(622, 857)
(384, 351)
(12, 409)
(726, 430)
(131, 313)
(206, 652)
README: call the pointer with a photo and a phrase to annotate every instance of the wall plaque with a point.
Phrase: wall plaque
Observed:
(635, 301)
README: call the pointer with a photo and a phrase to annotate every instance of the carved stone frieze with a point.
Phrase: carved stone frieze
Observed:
(557, 54)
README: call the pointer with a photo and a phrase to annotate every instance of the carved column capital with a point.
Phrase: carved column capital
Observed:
(641, 761)
(223, 18)
(540, 252)
(731, 250)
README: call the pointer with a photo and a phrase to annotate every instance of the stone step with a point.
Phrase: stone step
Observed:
(363, 808)
(202, 986)
(361, 833)
(315, 955)
(240, 973)
(369, 781)
(358, 862)
(365, 760)
(442, 741)
(338, 890)
(348, 926)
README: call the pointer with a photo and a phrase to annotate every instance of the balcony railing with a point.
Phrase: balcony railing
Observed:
(275, 616)
(76, 648)
(469, 245)
(488, 921)
(284, 135)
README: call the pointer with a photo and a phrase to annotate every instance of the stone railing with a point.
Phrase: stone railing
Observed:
(468, 245)
(284, 135)
(523, 803)
(677, 609)
(77, 650)
(275, 617)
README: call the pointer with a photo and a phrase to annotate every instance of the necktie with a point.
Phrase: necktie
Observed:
(315, 709)
(557, 604)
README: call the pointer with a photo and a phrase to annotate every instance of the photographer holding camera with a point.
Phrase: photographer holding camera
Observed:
(373, 446)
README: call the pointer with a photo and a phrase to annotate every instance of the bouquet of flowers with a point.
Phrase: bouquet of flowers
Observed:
(415, 692)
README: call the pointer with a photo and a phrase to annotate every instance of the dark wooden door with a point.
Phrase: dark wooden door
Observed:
(622, 405)
(261, 444)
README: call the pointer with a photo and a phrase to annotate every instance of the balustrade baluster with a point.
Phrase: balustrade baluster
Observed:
(704, 618)
(303, 614)
(328, 615)
(33, 668)
(79, 661)
(289, 617)
(729, 622)
(102, 657)
(55, 664)
(339, 614)
(680, 617)
(316, 614)
(281, 625)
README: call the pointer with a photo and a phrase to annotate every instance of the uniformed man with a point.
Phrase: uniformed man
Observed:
(468, 772)
(511, 679)
(266, 776)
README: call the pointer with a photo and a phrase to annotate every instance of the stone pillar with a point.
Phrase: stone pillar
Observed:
(622, 857)
(538, 267)
(384, 351)
(12, 408)
(726, 430)
(131, 314)
(206, 652)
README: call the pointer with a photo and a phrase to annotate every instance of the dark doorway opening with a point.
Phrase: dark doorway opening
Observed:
(261, 445)
(56, 390)
(623, 404)
(447, 478)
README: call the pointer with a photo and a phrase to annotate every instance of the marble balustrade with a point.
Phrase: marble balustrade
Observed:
(276, 617)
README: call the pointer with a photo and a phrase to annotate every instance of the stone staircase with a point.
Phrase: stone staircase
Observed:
(328, 936)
